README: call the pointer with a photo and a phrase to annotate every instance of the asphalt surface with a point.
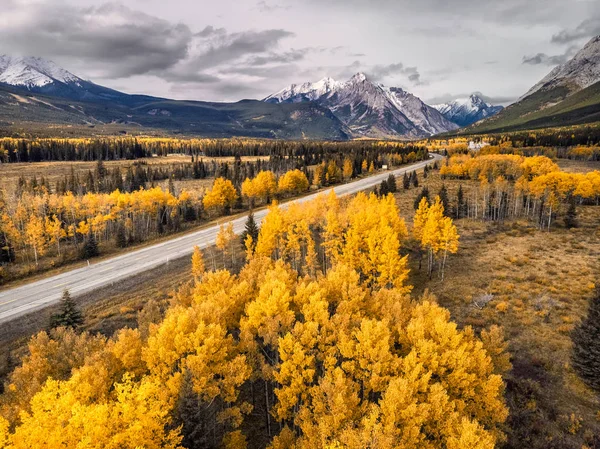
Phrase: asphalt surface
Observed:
(19, 301)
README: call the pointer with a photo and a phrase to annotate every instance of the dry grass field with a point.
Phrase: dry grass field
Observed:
(572, 166)
(53, 171)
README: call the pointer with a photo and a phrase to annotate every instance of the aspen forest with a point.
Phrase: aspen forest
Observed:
(45, 223)
(315, 343)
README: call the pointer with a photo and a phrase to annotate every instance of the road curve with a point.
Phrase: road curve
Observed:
(28, 298)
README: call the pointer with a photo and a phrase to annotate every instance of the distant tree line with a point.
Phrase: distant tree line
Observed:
(119, 148)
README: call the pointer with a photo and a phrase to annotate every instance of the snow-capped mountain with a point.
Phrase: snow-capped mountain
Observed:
(466, 111)
(369, 109)
(304, 92)
(30, 72)
(41, 76)
(581, 71)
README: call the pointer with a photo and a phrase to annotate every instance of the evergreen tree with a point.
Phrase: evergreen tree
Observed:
(571, 215)
(7, 253)
(251, 230)
(120, 237)
(406, 181)
(460, 203)
(100, 176)
(69, 315)
(90, 247)
(383, 189)
(425, 170)
(443, 194)
(391, 184)
(415, 179)
(423, 194)
(586, 345)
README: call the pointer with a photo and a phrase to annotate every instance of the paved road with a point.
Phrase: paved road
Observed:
(34, 296)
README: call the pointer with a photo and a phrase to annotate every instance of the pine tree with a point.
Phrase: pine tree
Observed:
(90, 247)
(460, 202)
(250, 230)
(443, 194)
(406, 181)
(69, 315)
(391, 184)
(415, 179)
(424, 194)
(383, 189)
(586, 345)
(120, 237)
(425, 170)
(571, 215)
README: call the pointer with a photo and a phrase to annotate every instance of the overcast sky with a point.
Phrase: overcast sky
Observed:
(227, 50)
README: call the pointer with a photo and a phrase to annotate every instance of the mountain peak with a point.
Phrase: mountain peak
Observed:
(466, 111)
(369, 109)
(31, 72)
(359, 78)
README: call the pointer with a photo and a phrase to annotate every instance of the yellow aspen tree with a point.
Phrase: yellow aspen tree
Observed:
(318, 175)
(293, 182)
(35, 236)
(222, 195)
(448, 241)
(198, 267)
(55, 231)
(348, 169)
(433, 232)
(364, 166)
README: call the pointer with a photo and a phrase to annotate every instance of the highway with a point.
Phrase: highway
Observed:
(22, 300)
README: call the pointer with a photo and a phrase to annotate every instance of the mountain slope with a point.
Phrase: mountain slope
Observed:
(466, 111)
(567, 95)
(34, 91)
(369, 109)
(22, 110)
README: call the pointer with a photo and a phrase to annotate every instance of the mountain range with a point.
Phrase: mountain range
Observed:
(373, 110)
(568, 95)
(36, 94)
(37, 91)
(466, 111)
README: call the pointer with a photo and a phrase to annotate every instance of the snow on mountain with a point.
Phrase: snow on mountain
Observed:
(369, 109)
(466, 111)
(304, 92)
(581, 71)
(30, 72)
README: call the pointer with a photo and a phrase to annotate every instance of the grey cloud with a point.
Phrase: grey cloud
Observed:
(506, 11)
(263, 6)
(543, 58)
(222, 49)
(211, 31)
(285, 57)
(378, 72)
(585, 30)
(111, 38)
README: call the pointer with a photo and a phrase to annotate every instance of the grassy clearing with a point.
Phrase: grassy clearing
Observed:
(53, 171)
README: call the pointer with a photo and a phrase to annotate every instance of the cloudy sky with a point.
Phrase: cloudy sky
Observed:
(232, 49)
